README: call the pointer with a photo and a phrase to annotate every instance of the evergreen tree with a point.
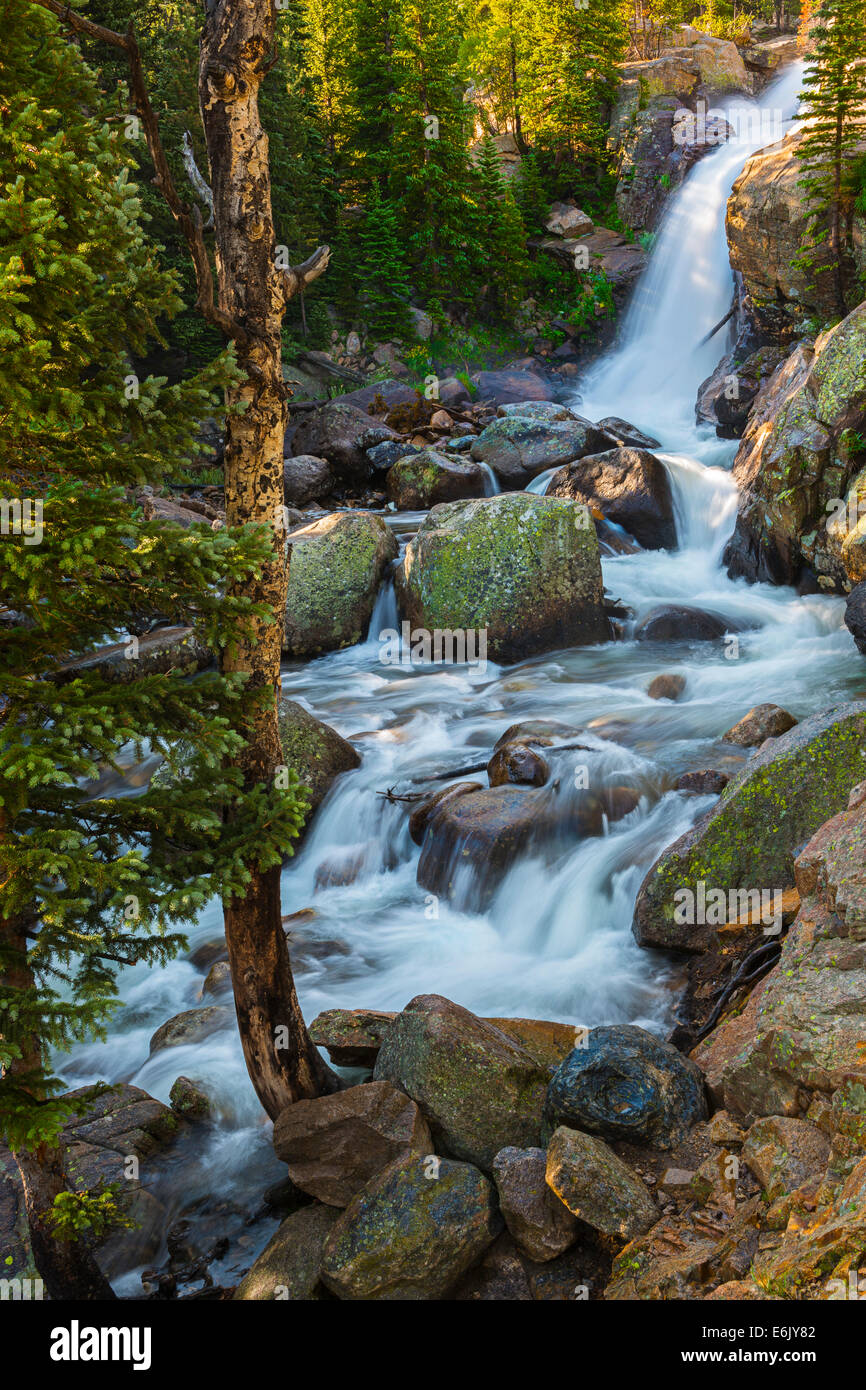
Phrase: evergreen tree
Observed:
(532, 198)
(381, 270)
(834, 110)
(500, 235)
(89, 882)
(372, 80)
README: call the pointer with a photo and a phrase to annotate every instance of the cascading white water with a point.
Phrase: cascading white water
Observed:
(555, 939)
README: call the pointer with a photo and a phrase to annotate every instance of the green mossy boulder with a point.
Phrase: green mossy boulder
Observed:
(314, 750)
(336, 565)
(422, 479)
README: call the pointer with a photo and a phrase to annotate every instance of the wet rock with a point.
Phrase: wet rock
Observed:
(625, 1084)
(420, 480)
(335, 1144)
(598, 1187)
(341, 432)
(539, 732)
(536, 410)
(315, 751)
(412, 1232)
(517, 763)
(191, 1026)
(499, 1277)
(290, 1264)
(706, 782)
(189, 1100)
(336, 565)
(542, 1226)
(626, 435)
(673, 622)
(668, 686)
(509, 385)
(518, 448)
(206, 955)
(618, 802)
(783, 1154)
(487, 831)
(630, 487)
(761, 722)
(479, 1090)
(424, 810)
(218, 979)
(524, 569)
(725, 399)
(801, 1029)
(306, 479)
(352, 1037)
(855, 616)
(748, 840)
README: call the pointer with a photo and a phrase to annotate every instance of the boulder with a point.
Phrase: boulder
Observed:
(191, 1026)
(668, 686)
(290, 1264)
(420, 480)
(315, 751)
(761, 722)
(424, 810)
(748, 840)
(677, 622)
(626, 435)
(506, 385)
(726, 397)
(536, 410)
(384, 456)
(784, 1154)
(706, 782)
(598, 1187)
(801, 1029)
(189, 1100)
(479, 1090)
(801, 467)
(453, 392)
(341, 432)
(517, 763)
(352, 1037)
(499, 1277)
(855, 616)
(306, 479)
(518, 447)
(567, 220)
(630, 487)
(336, 566)
(625, 1084)
(523, 569)
(412, 1232)
(218, 979)
(542, 1226)
(335, 1144)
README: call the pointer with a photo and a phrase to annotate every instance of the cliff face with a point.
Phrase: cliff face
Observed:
(801, 467)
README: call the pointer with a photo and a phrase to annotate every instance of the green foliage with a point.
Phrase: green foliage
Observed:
(383, 279)
(94, 1214)
(501, 237)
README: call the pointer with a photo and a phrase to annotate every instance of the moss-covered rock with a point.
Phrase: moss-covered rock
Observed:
(314, 750)
(518, 447)
(422, 479)
(749, 839)
(524, 569)
(336, 565)
(412, 1232)
(290, 1264)
(597, 1186)
(479, 1089)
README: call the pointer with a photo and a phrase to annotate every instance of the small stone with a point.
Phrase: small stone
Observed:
(707, 782)
(189, 1100)
(597, 1186)
(218, 980)
(542, 1226)
(761, 722)
(668, 686)
(677, 1183)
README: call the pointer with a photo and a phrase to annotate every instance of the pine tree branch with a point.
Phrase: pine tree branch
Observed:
(189, 219)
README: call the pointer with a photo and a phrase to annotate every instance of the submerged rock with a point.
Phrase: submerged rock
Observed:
(630, 487)
(749, 839)
(625, 1084)
(677, 622)
(189, 1100)
(412, 1232)
(524, 570)
(315, 751)
(517, 763)
(336, 566)
(597, 1186)
(191, 1026)
(479, 1090)
(668, 686)
(706, 782)
(424, 810)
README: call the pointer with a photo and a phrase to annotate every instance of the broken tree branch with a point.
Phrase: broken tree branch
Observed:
(195, 177)
(297, 277)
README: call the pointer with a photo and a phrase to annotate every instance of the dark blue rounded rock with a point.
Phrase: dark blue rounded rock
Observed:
(625, 1084)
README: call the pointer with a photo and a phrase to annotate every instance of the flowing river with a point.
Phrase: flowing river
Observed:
(554, 940)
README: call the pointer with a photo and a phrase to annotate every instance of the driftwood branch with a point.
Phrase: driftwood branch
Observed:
(189, 219)
(195, 177)
(721, 323)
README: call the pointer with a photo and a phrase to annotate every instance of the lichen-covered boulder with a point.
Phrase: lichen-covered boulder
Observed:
(749, 839)
(412, 1232)
(542, 1226)
(630, 487)
(597, 1186)
(333, 1145)
(479, 1089)
(784, 1154)
(290, 1265)
(315, 751)
(518, 448)
(336, 565)
(623, 1083)
(422, 479)
(523, 569)
(341, 432)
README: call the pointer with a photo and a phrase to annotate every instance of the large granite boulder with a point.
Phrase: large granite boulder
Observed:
(420, 480)
(518, 448)
(748, 840)
(524, 569)
(597, 1186)
(630, 487)
(623, 1083)
(479, 1089)
(315, 751)
(336, 566)
(412, 1232)
(341, 432)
